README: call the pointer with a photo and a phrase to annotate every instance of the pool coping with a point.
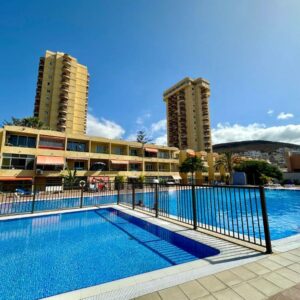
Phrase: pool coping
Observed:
(142, 284)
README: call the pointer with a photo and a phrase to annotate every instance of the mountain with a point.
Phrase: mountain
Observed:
(258, 145)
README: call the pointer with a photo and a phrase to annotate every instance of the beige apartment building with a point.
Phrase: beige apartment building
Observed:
(188, 122)
(44, 156)
(62, 93)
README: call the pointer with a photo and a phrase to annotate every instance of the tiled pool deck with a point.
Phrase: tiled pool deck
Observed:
(276, 276)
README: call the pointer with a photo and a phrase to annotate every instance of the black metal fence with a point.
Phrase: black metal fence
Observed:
(238, 212)
(30, 198)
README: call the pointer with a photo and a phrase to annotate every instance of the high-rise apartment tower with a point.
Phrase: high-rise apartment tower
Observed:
(188, 123)
(62, 93)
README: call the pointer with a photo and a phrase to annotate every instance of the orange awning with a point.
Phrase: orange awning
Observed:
(119, 162)
(13, 178)
(152, 150)
(190, 152)
(50, 160)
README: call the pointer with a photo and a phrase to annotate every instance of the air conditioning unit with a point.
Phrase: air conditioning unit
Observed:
(39, 172)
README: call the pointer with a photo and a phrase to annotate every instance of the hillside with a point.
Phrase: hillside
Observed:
(258, 145)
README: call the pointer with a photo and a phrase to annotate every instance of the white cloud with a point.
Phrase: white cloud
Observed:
(236, 132)
(270, 112)
(103, 127)
(161, 140)
(131, 137)
(141, 120)
(159, 126)
(284, 116)
(158, 131)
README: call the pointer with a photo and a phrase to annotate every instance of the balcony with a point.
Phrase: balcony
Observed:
(66, 69)
(64, 89)
(64, 95)
(67, 62)
(66, 57)
(62, 116)
(65, 75)
(63, 109)
(61, 126)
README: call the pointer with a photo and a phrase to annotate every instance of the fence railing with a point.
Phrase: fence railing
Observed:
(237, 212)
(31, 198)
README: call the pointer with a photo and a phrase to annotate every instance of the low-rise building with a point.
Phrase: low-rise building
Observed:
(293, 161)
(45, 155)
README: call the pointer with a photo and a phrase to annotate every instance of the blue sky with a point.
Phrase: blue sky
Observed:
(135, 49)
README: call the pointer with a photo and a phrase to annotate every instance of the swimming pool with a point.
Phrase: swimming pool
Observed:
(283, 207)
(44, 256)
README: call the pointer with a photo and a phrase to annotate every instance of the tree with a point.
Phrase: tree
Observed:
(228, 161)
(259, 171)
(143, 138)
(119, 182)
(32, 122)
(71, 178)
(192, 165)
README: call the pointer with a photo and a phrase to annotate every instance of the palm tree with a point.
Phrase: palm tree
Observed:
(32, 122)
(71, 178)
(192, 165)
(228, 161)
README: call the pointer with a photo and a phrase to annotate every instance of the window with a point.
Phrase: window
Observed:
(101, 149)
(17, 161)
(149, 167)
(76, 146)
(163, 168)
(21, 141)
(162, 154)
(134, 167)
(51, 143)
(48, 83)
(134, 152)
(79, 165)
(118, 150)
(48, 91)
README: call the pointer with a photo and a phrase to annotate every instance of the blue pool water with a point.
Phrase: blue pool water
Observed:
(283, 212)
(44, 256)
(283, 208)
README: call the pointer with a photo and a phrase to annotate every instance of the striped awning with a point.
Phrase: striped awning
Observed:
(14, 178)
(152, 150)
(190, 152)
(50, 160)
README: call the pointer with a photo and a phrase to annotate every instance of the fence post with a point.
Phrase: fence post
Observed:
(156, 200)
(194, 207)
(33, 198)
(265, 220)
(133, 195)
(81, 196)
(118, 195)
